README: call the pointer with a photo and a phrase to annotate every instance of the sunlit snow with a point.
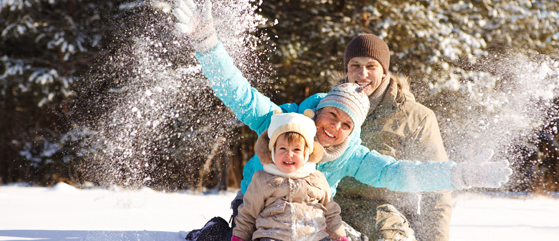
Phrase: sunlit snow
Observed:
(63, 212)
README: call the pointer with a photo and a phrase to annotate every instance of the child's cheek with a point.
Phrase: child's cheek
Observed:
(277, 155)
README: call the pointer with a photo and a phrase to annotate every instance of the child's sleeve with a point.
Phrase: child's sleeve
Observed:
(253, 204)
(334, 226)
(228, 83)
(377, 170)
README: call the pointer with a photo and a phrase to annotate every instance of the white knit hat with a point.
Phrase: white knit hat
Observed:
(292, 122)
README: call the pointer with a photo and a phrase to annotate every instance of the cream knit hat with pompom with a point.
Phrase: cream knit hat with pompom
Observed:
(292, 122)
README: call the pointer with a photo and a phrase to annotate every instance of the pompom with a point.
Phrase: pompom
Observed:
(309, 113)
(278, 111)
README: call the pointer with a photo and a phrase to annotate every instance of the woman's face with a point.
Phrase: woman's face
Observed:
(333, 126)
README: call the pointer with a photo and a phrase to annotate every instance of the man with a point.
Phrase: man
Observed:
(397, 126)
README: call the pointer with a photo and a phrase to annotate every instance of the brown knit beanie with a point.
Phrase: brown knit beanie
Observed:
(368, 45)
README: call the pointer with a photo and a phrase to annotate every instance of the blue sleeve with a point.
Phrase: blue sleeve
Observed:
(252, 166)
(250, 106)
(312, 101)
(228, 83)
(377, 170)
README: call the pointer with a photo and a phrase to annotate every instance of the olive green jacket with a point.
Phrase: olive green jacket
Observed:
(406, 130)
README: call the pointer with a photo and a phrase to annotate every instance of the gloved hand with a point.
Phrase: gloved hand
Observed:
(342, 239)
(197, 24)
(235, 238)
(479, 172)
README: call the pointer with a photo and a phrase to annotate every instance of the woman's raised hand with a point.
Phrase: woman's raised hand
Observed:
(197, 24)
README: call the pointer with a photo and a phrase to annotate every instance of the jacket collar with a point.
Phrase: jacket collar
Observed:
(388, 104)
(393, 99)
(307, 169)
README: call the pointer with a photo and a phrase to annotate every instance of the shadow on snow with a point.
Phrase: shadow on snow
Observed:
(14, 235)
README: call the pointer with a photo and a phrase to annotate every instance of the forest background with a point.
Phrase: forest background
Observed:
(101, 93)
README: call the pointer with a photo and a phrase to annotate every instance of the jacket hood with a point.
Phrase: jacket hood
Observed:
(403, 88)
(265, 155)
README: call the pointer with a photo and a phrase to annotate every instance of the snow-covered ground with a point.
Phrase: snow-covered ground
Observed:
(63, 212)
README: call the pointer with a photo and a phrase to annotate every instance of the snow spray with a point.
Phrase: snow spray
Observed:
(507, 101)
(163, 108)
(162, 111)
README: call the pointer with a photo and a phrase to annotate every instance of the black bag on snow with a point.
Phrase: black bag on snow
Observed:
(217, 229)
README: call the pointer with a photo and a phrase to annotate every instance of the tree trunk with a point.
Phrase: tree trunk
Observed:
(206, 168)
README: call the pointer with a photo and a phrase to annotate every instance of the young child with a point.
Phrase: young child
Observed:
(289, 199)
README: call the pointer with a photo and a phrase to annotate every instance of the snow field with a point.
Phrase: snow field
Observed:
(63, 212)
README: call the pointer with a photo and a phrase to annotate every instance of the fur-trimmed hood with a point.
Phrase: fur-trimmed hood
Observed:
(265, 155)
(404, 92)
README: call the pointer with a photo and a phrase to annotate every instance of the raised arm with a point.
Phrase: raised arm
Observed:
(249, 105)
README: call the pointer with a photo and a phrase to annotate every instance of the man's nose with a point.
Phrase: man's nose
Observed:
(363, 72)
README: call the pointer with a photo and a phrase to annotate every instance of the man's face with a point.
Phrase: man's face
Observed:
(365, 71)
(333, 126)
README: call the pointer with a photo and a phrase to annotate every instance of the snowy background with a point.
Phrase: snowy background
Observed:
(63, 212)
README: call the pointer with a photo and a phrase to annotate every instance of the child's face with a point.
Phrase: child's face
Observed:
(289, 157)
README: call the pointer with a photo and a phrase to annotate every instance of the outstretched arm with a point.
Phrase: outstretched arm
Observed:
(479, 172)
(374, 169)
(377, 170)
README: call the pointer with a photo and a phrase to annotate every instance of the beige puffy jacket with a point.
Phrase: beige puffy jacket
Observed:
(406, 130)
(285, 208)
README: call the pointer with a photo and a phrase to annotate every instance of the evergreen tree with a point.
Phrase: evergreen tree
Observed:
(72, 71)
(484, 67)
(45, 47)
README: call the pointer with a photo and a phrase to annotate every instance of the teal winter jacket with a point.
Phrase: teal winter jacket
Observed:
(369, 167)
